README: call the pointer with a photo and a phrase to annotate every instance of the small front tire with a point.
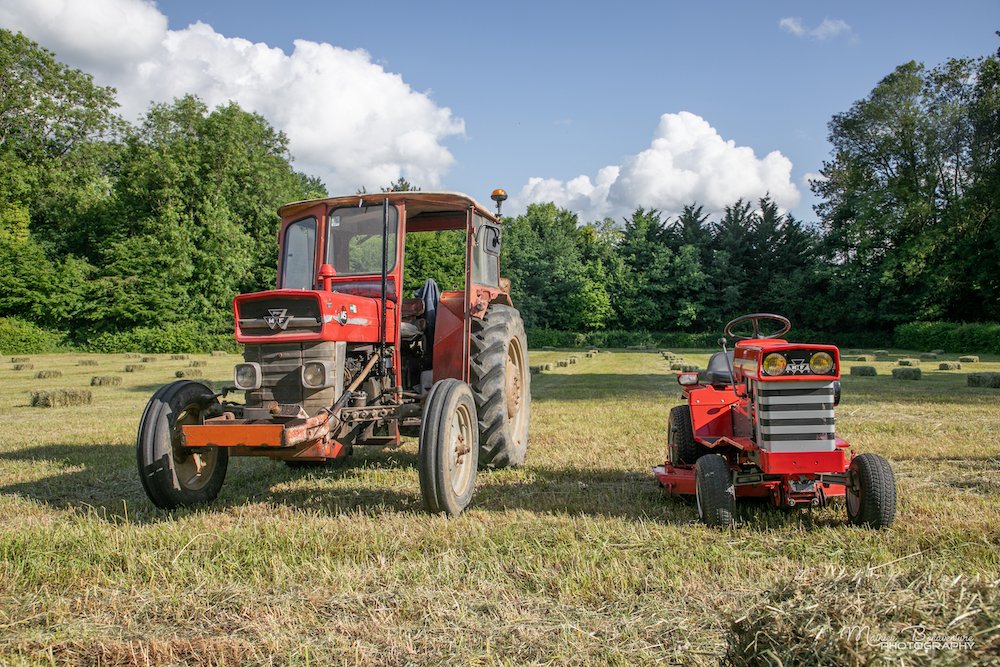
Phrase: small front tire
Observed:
(682, 448)
(449, 448)
(172, 475)
(714, 491)
(871, 492)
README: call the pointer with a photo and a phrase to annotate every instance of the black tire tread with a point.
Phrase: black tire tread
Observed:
(436, 492)
(878, 501)
(688, 450)
(487, 369)
(717, 499)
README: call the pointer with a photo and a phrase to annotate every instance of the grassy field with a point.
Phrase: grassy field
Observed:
(574, 559)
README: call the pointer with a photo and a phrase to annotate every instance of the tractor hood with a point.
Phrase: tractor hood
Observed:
(290, 316)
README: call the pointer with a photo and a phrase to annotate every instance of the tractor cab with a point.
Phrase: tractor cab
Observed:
(759, 421)
(339, 354)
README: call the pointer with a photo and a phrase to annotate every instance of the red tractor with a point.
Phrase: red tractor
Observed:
(761, 424)
(337, 357)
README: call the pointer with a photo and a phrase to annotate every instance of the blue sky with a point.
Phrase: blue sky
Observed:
(556, 91)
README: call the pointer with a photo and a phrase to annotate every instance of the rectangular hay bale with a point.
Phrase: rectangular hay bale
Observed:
(865, 371)
(910, 373)
(197, 364)
(19, 360)
(60, 398)
(987, 380)
(45, 375)
(105, 381)
(87, 362)
(969, 359)
(908, 362)
(24, 367)
(949, 366)
(189, 373)
(179, 357)
(134, 368)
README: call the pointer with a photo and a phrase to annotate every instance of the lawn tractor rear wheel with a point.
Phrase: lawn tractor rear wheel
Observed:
(871, 492)
(501, 383)
(174, 476)
(681, 445)
(449, 448)
(714, 491)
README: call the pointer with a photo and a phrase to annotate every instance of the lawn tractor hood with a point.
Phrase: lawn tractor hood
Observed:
(294, 315)
(779, 361)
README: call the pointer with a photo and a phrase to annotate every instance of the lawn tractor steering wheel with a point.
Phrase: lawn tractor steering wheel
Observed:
(755, 319)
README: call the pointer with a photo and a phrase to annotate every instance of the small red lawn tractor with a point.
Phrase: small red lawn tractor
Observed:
(337, 357)
(761, 424)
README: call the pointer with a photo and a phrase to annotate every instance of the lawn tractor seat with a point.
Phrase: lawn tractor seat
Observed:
(718, 368)
(430, 295)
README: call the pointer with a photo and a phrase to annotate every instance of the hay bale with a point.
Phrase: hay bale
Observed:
(864, 371)
(19, 360)
(988, 380)
(148, 360)
(219, 353)
(937, 352)
(189, 373)
(929, 356)
(535, 369)
(859, 357)
(133, 355)
(949, 366)
(681, 365)
(546, 367)
(45, 375)
(881, 353)
(573, 360)
(969, 359)
(562, 363)
(197, 364)
(908, 362)
(60, 398)
(134, 368)
(179, 357)
(23, 367)
(87, 362)
(105, 380)
(906, 373)
(593, 351)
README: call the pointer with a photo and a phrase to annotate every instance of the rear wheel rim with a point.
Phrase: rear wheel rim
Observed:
(515, 388)
(194, 469)
(459, 446)
(697, 497)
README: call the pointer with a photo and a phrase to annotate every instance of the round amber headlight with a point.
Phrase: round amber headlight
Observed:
(775, 364)
(821, 363)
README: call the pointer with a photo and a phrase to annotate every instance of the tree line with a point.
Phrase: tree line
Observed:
(109, 227)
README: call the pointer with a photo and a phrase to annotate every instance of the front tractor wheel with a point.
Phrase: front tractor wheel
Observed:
(871, 492)
(501, 383)
(714, 491)
(682, 448)
(449, 448)
(172, 475)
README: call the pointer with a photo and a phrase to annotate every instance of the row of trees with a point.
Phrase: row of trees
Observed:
(107, 226)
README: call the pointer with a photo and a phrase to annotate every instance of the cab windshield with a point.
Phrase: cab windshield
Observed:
(354, 240)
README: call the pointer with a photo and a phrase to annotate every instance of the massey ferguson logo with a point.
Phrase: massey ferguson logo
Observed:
(798, 366)
(277, 318)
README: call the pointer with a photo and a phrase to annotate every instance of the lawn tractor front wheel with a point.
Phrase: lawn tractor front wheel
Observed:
(682, 448)
(871, 492)
(174, 476)
(714, 491)
(449, 448)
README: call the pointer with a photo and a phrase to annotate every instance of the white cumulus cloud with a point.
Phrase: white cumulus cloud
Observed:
(347, 119)
(827, 29)
(687, 162)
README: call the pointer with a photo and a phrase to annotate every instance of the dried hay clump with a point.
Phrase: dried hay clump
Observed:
(573, 360)
(869, 617)
(562, 363)
(24, 367)
(860, 357)
(87, 362)
(535, 369)
(881, 353)
(949, 366)
(679, 365)
(929, 356)
(594, 351)
(105, 381)
(685, 368)
(19, 360)
(969, 359)
(198, 364)
(189, 373)
(44, 375)
(219, 353)
(590, 355)
(179, 357)
(134, 368)
(148, 360)
(60, 398)
(906, 373)
(988, 380)
(133, 355)
(909, 362)
(546, 367)
(867, 371)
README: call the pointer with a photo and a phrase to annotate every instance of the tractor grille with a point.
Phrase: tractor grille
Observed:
(276, 317)
(281, 370)
(795, 416)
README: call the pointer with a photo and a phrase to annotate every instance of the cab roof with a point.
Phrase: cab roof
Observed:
(417, 202)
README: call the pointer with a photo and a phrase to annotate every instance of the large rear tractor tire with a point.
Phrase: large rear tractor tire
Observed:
(501, 384)
(449, 448)
(871, 492)
(174, 476)
(682, 448)
(714, 491)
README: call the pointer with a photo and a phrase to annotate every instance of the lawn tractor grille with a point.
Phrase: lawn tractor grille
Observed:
(795, 416)
(281, 373)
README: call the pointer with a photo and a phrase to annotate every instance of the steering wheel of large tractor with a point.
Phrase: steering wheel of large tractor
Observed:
(755, 319)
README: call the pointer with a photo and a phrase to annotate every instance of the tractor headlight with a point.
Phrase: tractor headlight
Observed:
(774, 364)
(318, 375)
(247, 376)
(821, 363)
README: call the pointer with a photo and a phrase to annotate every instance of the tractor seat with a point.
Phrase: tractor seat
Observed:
(718, 368)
